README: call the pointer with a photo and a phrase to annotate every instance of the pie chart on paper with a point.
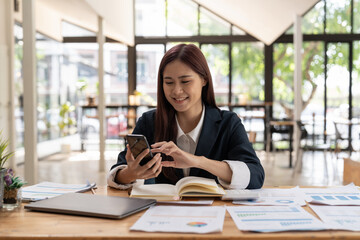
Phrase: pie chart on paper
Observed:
(197, 224)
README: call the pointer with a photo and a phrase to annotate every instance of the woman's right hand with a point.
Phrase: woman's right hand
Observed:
(135, 171)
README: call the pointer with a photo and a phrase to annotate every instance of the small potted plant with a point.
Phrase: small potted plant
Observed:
(12, 190)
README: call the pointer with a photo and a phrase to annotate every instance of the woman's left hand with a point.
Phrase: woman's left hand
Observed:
(181, 158)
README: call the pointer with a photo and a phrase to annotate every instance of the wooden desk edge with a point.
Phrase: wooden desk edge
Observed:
(62, 227)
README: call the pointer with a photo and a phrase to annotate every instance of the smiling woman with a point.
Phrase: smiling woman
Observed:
(188, 134)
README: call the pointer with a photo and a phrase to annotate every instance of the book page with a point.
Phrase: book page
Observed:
(158, 191)
(197, 184)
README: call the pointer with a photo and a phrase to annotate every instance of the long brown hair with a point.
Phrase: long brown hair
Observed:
(165, 123)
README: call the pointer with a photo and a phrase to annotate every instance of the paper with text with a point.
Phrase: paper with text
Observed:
(339, 217)
(46, 190)
(345, 195)
(274, 218)
(181, 219)
(276, 197)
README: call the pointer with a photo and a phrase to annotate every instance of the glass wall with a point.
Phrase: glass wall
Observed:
(283, 83)
(247, 71)
(338, 16)
(324, 97)
(211, 24)
(19, 87)
(150, 18)
(148, 59)
(356, 80)
(218, 61)
(182, 18)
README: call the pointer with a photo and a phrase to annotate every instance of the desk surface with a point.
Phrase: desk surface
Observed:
(24, 224)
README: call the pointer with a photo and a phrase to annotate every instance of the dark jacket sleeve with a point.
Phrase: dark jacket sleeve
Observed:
(143, 126)
(242, 150)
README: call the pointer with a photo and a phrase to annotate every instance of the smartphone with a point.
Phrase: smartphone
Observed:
(138, 144)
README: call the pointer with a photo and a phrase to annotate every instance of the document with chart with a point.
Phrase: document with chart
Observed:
(339, 217)
(276, 197)
(345, 195)
(45, 190)
(274, 218)
(181, 219)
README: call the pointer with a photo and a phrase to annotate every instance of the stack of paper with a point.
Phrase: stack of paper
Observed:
(46, 190)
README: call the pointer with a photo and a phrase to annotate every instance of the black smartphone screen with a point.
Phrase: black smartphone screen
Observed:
(138, 144)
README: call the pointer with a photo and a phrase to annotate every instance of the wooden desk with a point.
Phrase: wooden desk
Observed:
(25, 224)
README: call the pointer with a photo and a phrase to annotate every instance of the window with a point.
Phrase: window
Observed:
(218, 60)
(211, 24)
(150, 18)
(247, 72)
(356, 80)
(116, 73)
(337, 83)
(313, 21)
(148, 58)
(283, 80)
(182, 18)
(338, 16)
(356, 15)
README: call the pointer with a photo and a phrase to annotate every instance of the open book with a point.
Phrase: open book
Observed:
(187, 186)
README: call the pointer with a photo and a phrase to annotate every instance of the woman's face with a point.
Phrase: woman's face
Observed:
(182, 87)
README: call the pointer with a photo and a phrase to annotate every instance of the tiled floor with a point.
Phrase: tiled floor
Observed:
(77, 167)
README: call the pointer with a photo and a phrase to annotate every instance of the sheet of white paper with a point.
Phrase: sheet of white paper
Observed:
(46, 190)
(345, 195)
(339, 217)
(181, 219)
(199, 202)
(273, 218)
(276, 197)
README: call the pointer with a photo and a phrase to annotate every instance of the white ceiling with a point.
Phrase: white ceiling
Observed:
(117, 15)
(264, 19)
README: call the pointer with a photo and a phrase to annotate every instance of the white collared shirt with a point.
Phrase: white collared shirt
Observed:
(188, 142)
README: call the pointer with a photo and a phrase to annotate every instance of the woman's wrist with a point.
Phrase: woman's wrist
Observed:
(200, 162)
(124, 176)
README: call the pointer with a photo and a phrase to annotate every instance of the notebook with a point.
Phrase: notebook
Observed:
(91, 205)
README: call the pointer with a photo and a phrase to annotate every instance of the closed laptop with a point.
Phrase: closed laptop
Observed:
(92, 205)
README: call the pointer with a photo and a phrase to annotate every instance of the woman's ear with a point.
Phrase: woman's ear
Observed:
(204, 82)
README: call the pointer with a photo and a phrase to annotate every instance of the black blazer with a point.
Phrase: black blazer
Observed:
(223, 137)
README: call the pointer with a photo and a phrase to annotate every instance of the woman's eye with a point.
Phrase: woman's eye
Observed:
(185, 82)
(168, 83)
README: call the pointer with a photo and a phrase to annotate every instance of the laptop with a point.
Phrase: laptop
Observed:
(92, 205)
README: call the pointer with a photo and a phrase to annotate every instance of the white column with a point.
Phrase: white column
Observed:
(298, 40)
(101, 102)
(7, 120)
(11, 104)
(30, 103)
